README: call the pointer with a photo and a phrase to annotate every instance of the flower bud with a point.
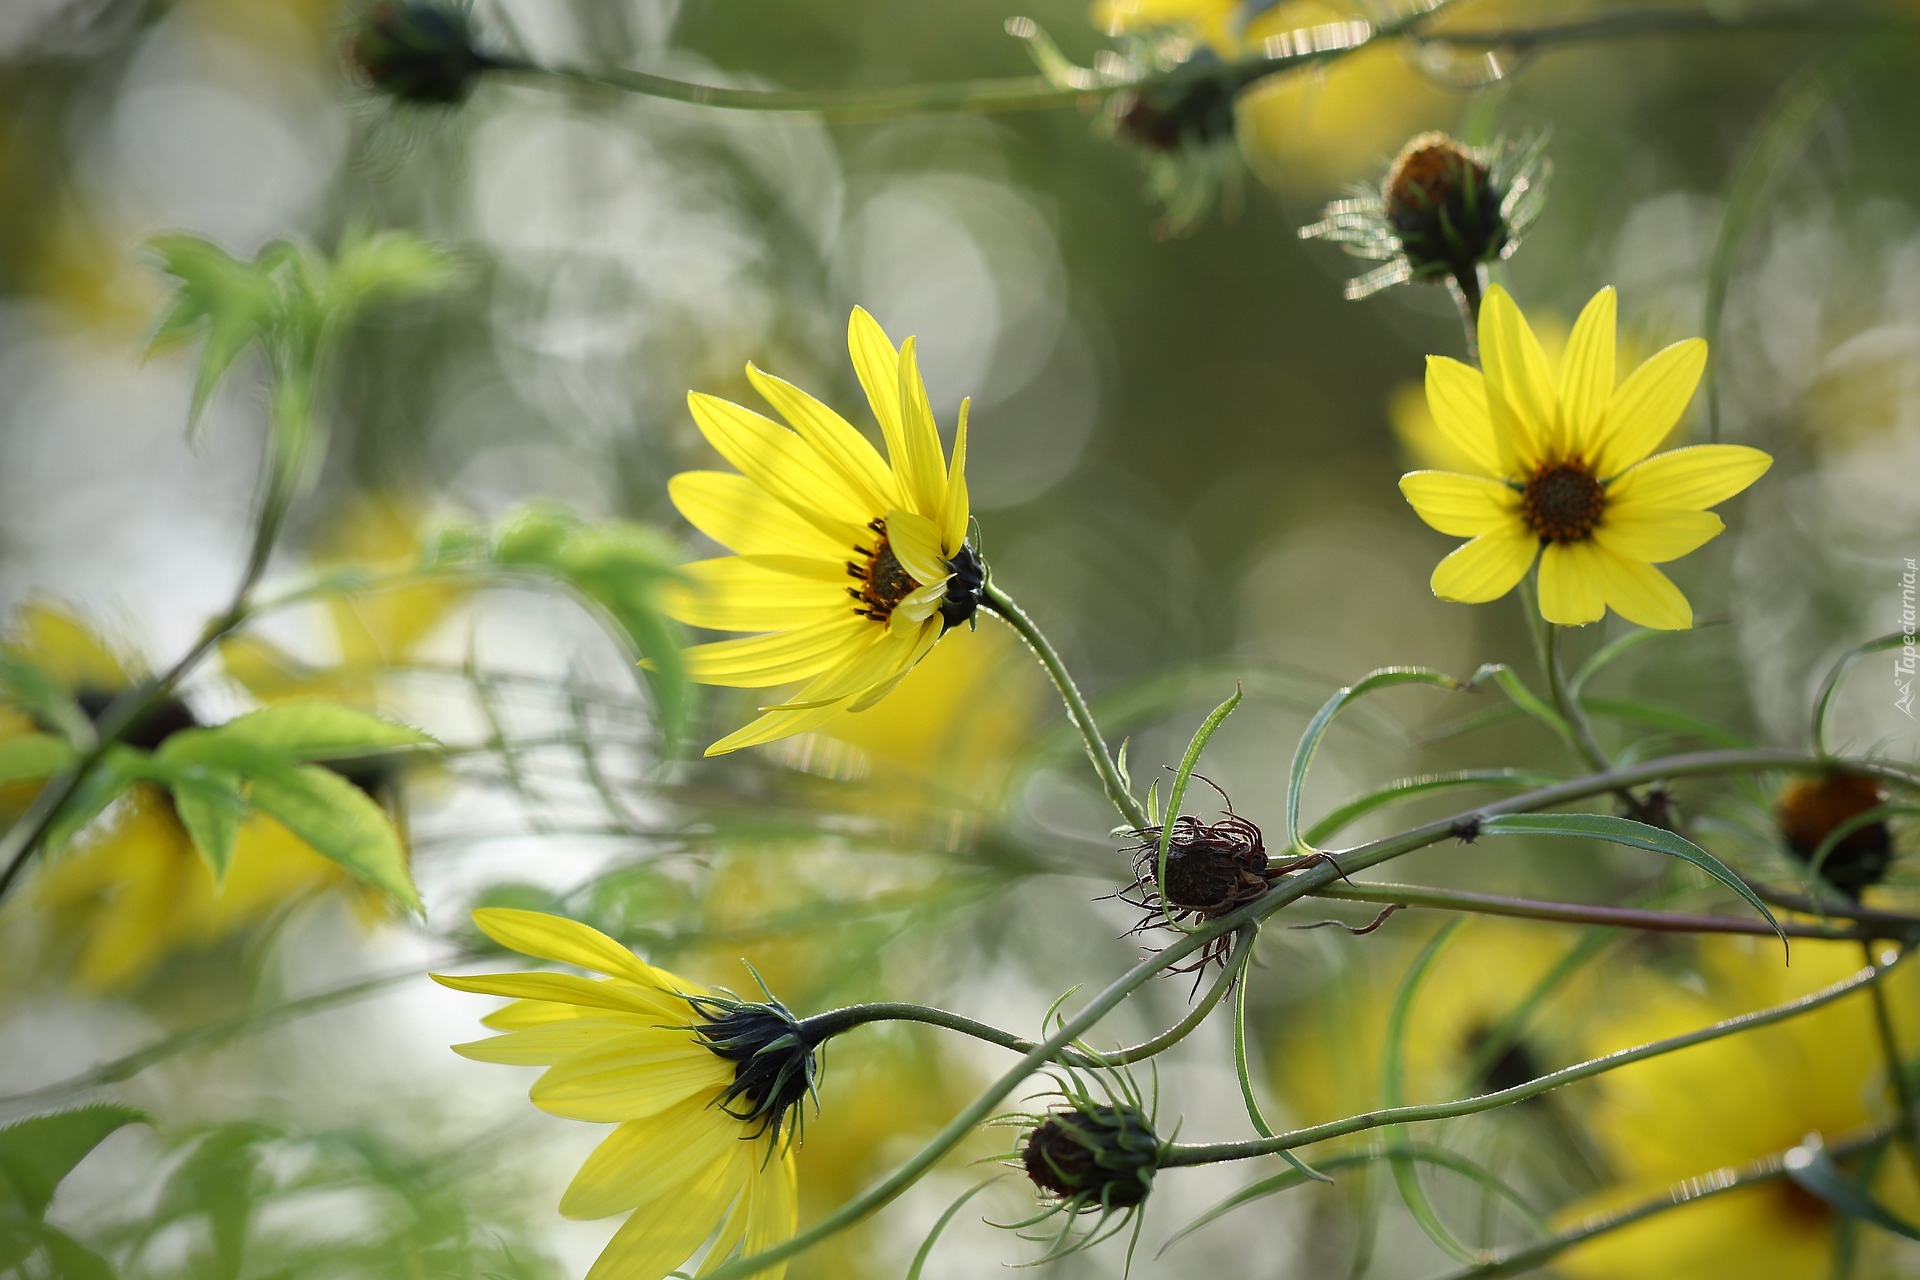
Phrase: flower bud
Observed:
(1812, 810)
(1441, 201)
(419, 51)
(1090, 1155)
(1172, 115)
(774, 1063)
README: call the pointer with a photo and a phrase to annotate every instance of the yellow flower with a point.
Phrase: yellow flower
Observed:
(1560, 468)
(700, 1085)
(815, 509)
(1683, 1115)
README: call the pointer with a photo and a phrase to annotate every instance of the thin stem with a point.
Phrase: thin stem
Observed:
(1216, 1153)
(1907, 1127)
(1419, 896)
(1077, 711)
(1466, 286)
(1563, 701)
(1710, 1183)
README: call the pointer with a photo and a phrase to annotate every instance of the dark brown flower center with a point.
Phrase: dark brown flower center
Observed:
(884, 581)
(1563, 502)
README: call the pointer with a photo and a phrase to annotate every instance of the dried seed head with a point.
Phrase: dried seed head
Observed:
(419, 51)
(1442, 202)
(1812, 810)
(1093, 1156)
(1212, 867)
(1167, 117)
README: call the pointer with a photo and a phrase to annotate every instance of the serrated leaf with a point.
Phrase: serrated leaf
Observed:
(37, 1154)
(339, 820)
(33, 756)
(228, 301)
(1635, 835)
(313, 730)
(211, 805)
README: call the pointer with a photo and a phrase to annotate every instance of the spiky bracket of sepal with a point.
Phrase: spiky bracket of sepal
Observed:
(774, 1062)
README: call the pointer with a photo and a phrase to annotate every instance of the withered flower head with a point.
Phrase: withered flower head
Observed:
(1823, 813)
(418, 51)
(1092, 1156)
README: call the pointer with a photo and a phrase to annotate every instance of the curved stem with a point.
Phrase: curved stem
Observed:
(1563, 701)
(1215, 1153)
(1907, 1126)
(1077, 711)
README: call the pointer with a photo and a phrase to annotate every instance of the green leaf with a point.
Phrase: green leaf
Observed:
(1407, 788)
(1814, 1171)
(309, 731)
(1406, 1178)
(37, 1154)
(1635, 835)
(72, 1260)
(44, 698)
(1828, 687)
(926, 1246)
(339, 820)
(1177, 796)
(228, 301)
(1651, 715)
(211, 806)
(115, 771)
(383, 265)
(33, 756)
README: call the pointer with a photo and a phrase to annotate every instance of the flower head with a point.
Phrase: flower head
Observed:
(1442, 210)
(705, 1090)
(1092, 1154)
(1830, 823)
(418, 51)
(853, 566)
(1561, 471)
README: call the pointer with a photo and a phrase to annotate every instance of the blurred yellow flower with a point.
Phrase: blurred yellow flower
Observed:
(1560, 469)
(1686, 1114)
(813, 508)
(694, 1080)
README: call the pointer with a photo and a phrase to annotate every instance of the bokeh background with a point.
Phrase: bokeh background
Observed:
(1184, 454)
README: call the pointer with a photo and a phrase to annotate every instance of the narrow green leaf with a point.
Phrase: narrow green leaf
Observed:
(212, 804)
(926, 1246)
(37, 1154)
(1177, 796)
(340, 821)
(117, 770)
(1814, 1171)
(1651, 715)
(1254, 1114)
(1636, 835)
(312, 730)
(1407, 788)
(33, 756)
(1607, 655)
(1823, 701)
(1406, 1177)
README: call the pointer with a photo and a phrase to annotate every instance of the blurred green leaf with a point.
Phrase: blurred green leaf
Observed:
(119, 768)
(33, 756)
(339, 820)
(37, 1154)
(314, 730)
(228, 301)
(72, 1260)
(1407, 788)
(1814, 1171)
(383, 265)
(44, 698)
(1636, 835)
(211, 806)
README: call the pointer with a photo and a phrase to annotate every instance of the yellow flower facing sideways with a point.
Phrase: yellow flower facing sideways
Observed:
(1561, 471)
(852, 566)
(703, 1089)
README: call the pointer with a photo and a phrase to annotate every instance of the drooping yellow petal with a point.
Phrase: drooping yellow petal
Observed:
(1694, 478)
(1571, 593)
(566, 988)
(823, 698)
(1457, 400)
(1655, 535)
(1586, 376)
(773, 1211)
(67, 649)
(925, 476)
(740, 515)
(834, 437)
(1464, 506)
(545, 936)
(1522, 398)
(781, 463)
(1647, 405)
(924, 638)
(656, 1240)
(733, 593)
(646, 1160)
(876, 362)
(632, 1078)
(916, 607)
(1486, 568)
(953, 521)
(1641, 593)
(544, 1045)
(520, 1015)
(916, 545)
(773, 725)
(759, 662)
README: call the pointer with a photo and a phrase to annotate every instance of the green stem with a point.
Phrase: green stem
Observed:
(1419, 896)
(1077, 711)
(1216, 1153)
(1907, 1126)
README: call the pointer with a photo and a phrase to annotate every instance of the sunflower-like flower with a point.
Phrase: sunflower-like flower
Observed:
(1561, 471)
(705, 1089)
(853, 566)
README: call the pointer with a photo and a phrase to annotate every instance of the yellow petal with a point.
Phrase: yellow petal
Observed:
(822, 699)
(1570, 584)
(542, 1046)
(782, 464)
(916, 607)
(953, 522)
(566, 988)
(522, 1014)
(65, 648)
(656, 1240)
(1457, 399)
(735, 594)
(1486, 568)
(647, 1160)
(1521, 395)
(774, 725)
(1464, 506)
(877, 364)
(916, 545)
(925, 474)
(833, 437)
(550, 937)
(741, 516)
(773, 1211)
(734, 1230)
(1647, 406)
(1693, 478)
(632, 1078)
(1642, 594)
(1655, 535)
(925, 637)
(759, 662)
(1586, 376)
